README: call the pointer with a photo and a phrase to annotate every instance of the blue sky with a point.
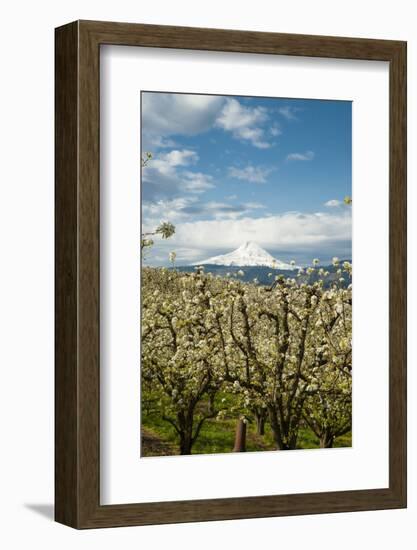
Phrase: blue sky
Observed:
(227, 169)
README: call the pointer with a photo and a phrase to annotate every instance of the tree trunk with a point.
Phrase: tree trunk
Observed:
(293, 442)
(240, 438)
(285, 438)
(260, 418)
(326, 440)
(276, 429)
(185, 442)
(185, 423)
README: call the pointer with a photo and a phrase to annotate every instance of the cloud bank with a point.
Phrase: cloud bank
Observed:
(292, 235)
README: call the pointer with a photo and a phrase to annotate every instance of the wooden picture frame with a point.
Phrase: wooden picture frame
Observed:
(77, 405)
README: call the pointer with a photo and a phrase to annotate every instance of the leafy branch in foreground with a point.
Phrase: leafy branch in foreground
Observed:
(164, 229)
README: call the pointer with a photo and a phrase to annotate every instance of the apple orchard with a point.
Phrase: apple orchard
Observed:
(218, 350)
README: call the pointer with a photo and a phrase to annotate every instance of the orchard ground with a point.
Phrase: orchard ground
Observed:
(217, 436)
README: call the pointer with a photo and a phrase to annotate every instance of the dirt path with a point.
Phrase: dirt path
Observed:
(153, 445)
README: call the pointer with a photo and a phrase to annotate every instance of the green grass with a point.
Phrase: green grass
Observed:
(218, 436)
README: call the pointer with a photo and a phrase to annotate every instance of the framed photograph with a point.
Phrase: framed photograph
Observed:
(230, 274)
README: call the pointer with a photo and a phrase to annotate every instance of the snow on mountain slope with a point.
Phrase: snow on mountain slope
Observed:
(248, 254)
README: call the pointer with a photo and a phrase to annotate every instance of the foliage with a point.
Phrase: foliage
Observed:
(146, 159)
(164, 229)
(281, 352)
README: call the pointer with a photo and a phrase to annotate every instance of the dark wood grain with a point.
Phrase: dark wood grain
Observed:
(66, 238)
(78, 285)
(398, 273)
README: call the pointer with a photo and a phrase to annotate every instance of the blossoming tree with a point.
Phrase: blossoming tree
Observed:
(180, 350)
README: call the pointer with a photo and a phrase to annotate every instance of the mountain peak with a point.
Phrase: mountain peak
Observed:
(249, 245)
(248, 254)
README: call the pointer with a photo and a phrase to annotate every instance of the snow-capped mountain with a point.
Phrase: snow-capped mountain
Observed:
(248, 254)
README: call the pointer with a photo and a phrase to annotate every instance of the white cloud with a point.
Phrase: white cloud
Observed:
(308, 155)
(196, 182)
(333, 203)
(275, 130)
(254, 174)
(254, 205)
(180, 210)
(244, 122)
(167, 163)
(299, 234)
(288, 112)
(160, 142)
(165, 177)
(235, 116)
(220, 210)
(290, 229)
(166, 114)
(184, 255)
(155, 212)
(179, 158)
